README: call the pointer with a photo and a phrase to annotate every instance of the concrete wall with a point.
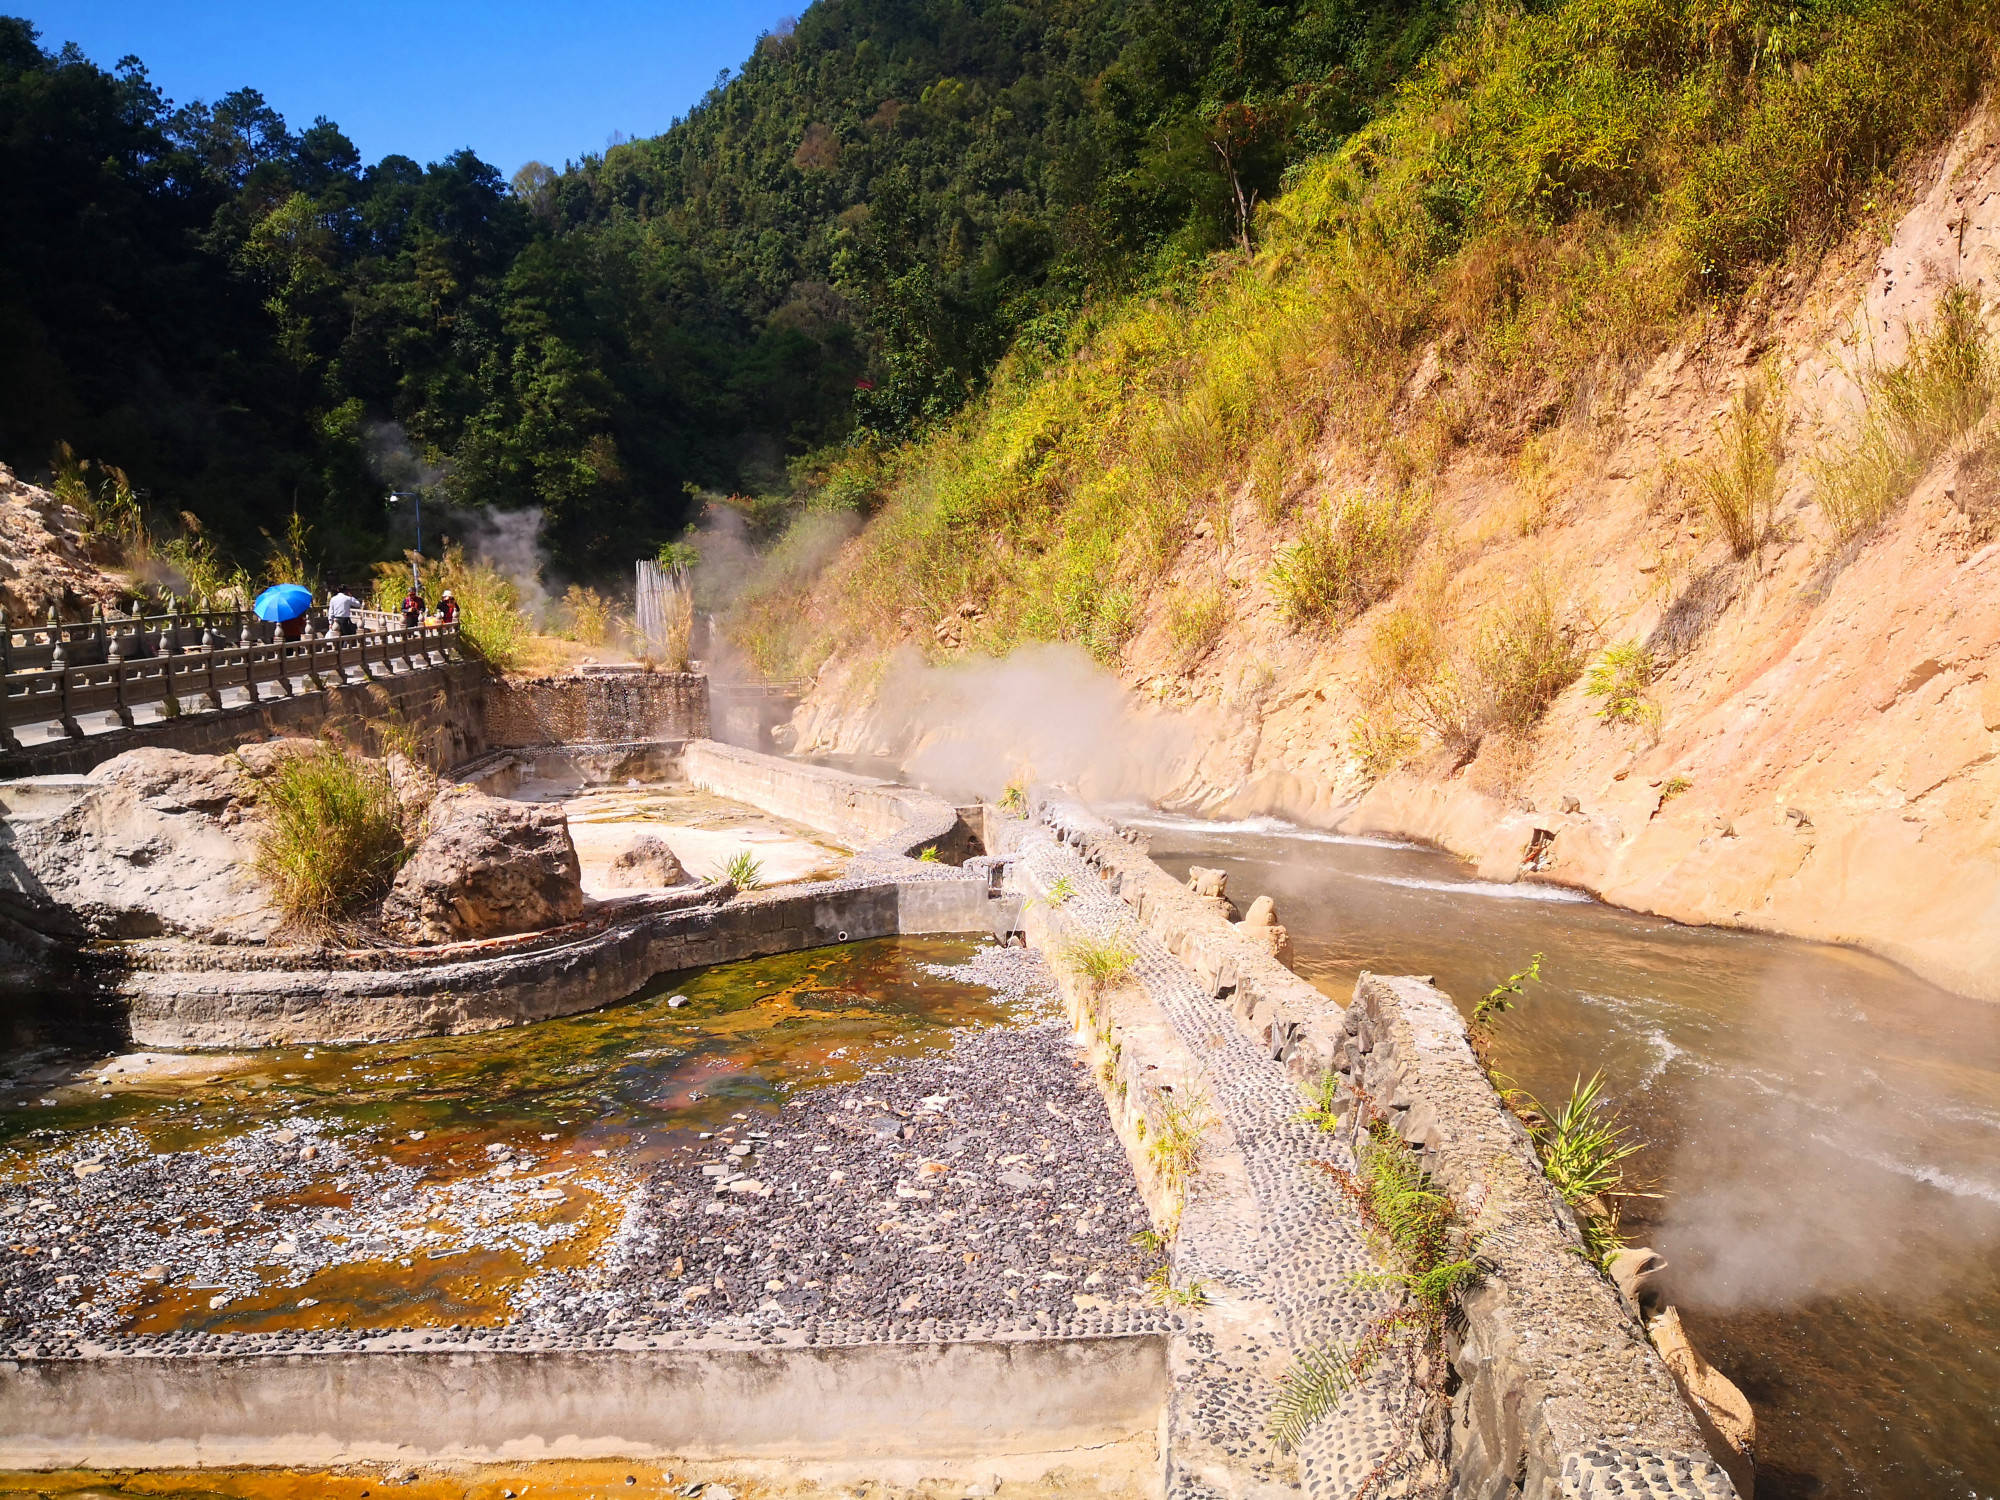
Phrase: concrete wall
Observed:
(937, 1400)
(449, 700)
(606, 708)
(878, 818)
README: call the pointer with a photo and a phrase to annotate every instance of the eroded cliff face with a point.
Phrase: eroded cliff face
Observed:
(1823, 762)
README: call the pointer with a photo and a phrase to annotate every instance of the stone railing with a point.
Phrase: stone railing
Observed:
(184, 663)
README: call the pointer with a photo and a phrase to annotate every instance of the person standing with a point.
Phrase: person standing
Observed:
(413, 609)
(447, 608)
(340, 610)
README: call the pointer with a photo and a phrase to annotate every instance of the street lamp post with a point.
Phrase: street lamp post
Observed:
(416, 498)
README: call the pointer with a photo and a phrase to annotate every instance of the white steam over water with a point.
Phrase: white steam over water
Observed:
(1490, 889)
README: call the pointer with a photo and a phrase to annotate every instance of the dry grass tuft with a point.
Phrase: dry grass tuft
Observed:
(1915, 413)
(332, 837)
(1349, 555)
(1738, 483)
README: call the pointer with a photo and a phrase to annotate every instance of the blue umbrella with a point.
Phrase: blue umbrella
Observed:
(282, 601)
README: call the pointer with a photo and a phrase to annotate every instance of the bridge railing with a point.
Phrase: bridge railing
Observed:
(184, 663)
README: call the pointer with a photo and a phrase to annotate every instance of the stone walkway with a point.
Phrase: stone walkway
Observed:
(1263, 1229)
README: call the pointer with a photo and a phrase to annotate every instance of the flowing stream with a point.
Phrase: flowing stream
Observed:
(1823, 1133)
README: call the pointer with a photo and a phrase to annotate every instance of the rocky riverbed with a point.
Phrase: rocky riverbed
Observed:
(970, 1179)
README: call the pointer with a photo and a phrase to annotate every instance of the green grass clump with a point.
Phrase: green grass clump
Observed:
(1915, 412)
(1583, 1147)
(1528, 650)
(1176, 1145)
(744, 870)
(1100, 963)
(332, 836)
(1417, 1230)
(1349, 555)
(1195, 618)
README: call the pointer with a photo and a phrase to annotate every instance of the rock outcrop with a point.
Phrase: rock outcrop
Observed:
(648, 862)
(153, 843)
(486, 867)
(42, 558)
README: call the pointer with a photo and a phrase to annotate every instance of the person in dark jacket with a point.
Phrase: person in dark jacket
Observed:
(413, 609)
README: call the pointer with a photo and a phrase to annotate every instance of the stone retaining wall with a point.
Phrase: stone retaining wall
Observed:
(1560, 1394)
(448, 701)
(598, 708)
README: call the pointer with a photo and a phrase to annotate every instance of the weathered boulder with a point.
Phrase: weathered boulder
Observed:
(648, 862)
(1260, 924)
(486, 867)
(152, 843)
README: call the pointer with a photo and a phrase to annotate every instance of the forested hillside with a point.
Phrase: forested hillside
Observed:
(835, 246)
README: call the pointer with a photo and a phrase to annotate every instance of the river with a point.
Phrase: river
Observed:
(1823, 1132)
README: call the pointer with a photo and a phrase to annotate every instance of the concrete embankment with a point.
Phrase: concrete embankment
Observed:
(1556, 1390)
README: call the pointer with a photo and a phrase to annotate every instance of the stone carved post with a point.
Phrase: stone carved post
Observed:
(59, 664)
(246, 642)
(309, 648)
(114, 658)
(208, 643)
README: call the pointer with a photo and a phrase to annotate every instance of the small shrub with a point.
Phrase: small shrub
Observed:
(1348, 556)
(1496, 1002)
(1621, 677)
(1195, 618)
(1738, 484)
(332, 836)
(929, 856)
(1061, 889)
(1014, 798)
(1915, 412)
(744, 871)
(1675, 786)
(1419, 1231)
(1379, 744)
(1099, 962)
(1322, 1096)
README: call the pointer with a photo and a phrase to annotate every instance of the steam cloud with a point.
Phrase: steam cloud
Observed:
(1046, 711)
(1842, 1167)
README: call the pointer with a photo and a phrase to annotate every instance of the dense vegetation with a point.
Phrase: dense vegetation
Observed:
(835, 245)
(1551, 194)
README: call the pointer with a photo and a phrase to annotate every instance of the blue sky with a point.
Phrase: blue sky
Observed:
(514, 81)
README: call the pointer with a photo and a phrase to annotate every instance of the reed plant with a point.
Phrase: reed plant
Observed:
(743, 870)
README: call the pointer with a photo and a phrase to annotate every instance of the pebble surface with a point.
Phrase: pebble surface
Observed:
(977, 1189)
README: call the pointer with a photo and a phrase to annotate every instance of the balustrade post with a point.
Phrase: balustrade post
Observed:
(246, 642)
(208, 644)
(114, 658)
(361, 645)
(97, 651)
(59, 663)
(310, 643)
